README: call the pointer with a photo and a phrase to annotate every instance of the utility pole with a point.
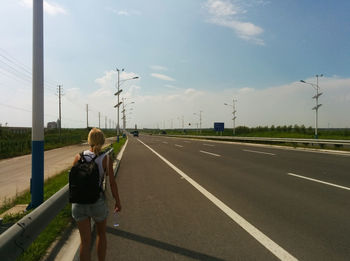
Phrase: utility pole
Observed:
(59, 109)
(183, 126)
(318, 94)
(118, 103)
(110, 123)
(234, 116)
(200, 121)
(99, 120)
(233, 105)
(37, 179)
(105, 122)
(87, 116)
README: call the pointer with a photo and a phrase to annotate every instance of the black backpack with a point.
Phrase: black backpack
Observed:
(84, 181)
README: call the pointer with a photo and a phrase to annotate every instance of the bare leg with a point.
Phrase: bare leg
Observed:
(84, 227)
(101, 240)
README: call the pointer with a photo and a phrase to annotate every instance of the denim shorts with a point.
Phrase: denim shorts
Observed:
(98, 211)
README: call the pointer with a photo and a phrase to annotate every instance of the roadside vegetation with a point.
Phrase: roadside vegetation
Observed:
(285, 131)
(58, 225)
(17, 141)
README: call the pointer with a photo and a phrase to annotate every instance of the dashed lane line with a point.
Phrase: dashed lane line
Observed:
(260, 152)
(210, 145)
(213, 154)
(319, 181)
(268, 243)
(177, 145)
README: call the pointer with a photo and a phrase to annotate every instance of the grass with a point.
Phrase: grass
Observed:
(117, 146)
(57, 226)
(288, 132)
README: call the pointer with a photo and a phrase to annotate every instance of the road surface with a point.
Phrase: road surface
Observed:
(200, 200)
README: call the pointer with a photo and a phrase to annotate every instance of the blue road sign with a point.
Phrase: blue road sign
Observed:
(219, 126)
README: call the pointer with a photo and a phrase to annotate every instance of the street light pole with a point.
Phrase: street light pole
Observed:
(318, 94)
(200, 121)
(233, 105)
(118, 103)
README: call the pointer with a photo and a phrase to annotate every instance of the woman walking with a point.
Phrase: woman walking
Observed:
(98, 211)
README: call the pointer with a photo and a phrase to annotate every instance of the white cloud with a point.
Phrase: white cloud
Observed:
(162, 77)
(50, 8)
(158, 68)
(124, 12)
(225, 13)
(288, 104)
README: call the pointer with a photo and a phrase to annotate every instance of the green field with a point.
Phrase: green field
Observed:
(265, 131)
(16, 142)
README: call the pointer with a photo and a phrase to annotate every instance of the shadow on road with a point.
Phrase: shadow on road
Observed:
(162, 245)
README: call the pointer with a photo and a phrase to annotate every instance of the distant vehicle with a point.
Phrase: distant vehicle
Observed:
(163, 132)
(135, 133)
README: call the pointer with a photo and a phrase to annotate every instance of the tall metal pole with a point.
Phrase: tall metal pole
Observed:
(99, 120)
(37, 180)
(317, 105)
(234, 115)
(118, 104)
(87, 116)
(59, 109)
(318, 94)
(200, 121)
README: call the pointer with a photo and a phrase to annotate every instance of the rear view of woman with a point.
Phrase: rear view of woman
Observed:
(98, 211)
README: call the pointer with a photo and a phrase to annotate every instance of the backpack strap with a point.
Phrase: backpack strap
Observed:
(82, 156)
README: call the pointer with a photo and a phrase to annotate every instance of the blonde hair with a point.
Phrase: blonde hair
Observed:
(96, 139)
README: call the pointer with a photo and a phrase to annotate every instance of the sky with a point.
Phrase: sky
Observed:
(191, 57)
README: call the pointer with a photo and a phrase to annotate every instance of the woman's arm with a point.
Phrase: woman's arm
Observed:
(113, 184)
(77, 157)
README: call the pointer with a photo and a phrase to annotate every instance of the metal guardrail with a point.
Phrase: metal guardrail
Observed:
(320, 142)
(18, 237)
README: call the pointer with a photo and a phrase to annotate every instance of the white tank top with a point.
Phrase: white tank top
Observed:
(98, 161)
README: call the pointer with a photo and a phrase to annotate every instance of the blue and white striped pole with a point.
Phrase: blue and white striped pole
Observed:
(37, 180)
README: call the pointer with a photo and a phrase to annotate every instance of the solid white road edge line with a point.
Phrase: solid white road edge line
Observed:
(213, 154)
(254, 151)
(319, 181)
(121, 152)
(177, 145)
(273, 247)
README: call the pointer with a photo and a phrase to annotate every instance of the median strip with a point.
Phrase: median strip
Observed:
(270, 245)
(213, 154)
(319, 181)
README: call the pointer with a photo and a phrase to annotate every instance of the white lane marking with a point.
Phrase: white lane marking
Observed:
(120, 154)
(177, 145)
(319, 181)
(165, 142)
(273, 247)
(210, 145)
(187, 141)
(254, 151)
(213, 154)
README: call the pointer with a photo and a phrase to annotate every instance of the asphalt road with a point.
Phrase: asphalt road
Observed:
(15, 173)
(202, 200)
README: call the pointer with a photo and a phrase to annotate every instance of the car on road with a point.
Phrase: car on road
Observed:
(136, 133)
